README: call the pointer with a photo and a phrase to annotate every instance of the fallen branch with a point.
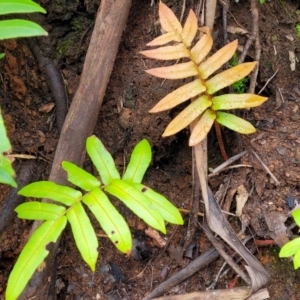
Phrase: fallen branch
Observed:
(238, 293)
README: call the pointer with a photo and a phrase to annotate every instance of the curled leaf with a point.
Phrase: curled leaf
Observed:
(180, 95)
(188, 115)
(234, 123)
(233, 101)
(228, 77)
(202, 128)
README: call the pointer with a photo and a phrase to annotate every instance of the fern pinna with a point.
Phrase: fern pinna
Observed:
(206, 106)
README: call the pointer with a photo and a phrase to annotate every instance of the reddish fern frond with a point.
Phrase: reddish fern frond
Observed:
(181, 42)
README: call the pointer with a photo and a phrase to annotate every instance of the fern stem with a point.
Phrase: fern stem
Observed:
(220, 140)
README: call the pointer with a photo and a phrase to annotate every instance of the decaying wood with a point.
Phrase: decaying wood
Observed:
(82, 117)
(239, 293)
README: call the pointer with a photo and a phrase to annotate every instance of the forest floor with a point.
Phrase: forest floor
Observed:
(25, 97)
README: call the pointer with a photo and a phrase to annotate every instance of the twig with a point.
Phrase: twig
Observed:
(217, 244)
(225, 5)
(266, 168)
(193, 216)
(227, 163)
(213, 285)
(268, 81)
(187, 211)
(255, 20)
(254, 31)
(167, 245)
(254, 75)
(280, 94)
(182, 10)
(199, 263)
(230, 168)
(262, 163)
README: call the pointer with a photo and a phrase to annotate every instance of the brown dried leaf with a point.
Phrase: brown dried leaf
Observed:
(241, 199)
(47, 107)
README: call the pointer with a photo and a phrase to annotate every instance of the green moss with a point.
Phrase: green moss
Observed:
(64, 46)
(298, 30)
(239, 86)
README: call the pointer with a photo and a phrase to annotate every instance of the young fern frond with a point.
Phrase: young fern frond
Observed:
(150, 206)
(205, 84)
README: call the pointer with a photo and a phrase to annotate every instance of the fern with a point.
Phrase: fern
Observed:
(206, 106)
(150, 206)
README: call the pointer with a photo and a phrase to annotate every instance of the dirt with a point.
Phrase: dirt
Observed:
(32, 130)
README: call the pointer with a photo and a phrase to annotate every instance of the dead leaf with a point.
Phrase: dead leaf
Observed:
(236, 30)
(277, 230)
(47, 107)
(241, 199)
(153, 234)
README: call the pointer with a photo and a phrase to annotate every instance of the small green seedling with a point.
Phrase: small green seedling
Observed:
(70, 204)
(239, 86)
(262, 1)
(298, 30)
(10, 29)
(292, 248)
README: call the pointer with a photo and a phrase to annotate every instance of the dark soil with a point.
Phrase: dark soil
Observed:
(24, 93)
